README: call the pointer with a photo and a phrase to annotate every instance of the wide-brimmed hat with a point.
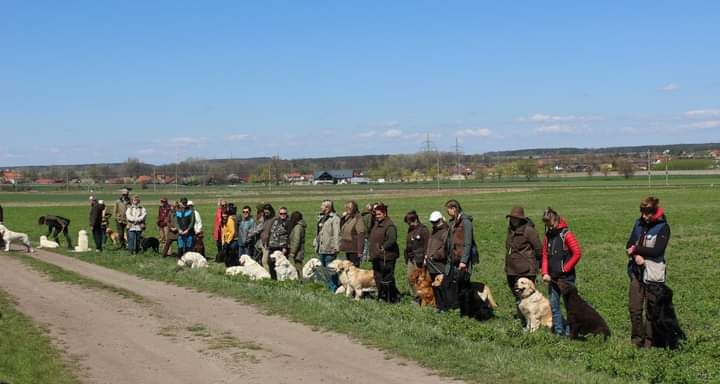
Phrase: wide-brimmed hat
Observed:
(517, 212)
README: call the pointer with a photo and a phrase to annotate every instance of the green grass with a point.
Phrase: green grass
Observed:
(497, 350)
(26, 355)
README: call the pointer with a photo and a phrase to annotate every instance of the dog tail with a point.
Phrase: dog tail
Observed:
(490, 298)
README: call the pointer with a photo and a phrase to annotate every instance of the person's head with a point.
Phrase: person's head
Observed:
(283, 213)
(295, 218)
(268, 211)
(231, 209)
(190, 204)
(222, 203)
(351, 208)
(41, 220)
(124, 192)
(246, 211)
(101, 203)
(183, 202)
(516, 217)
(369, 207)
(326, 207)
(92, 200)
(381, 211)
(649, 207)
(453, 208)
(436, 219)
(163, 200)
(411, 218)
(550, 217)
(136, 200)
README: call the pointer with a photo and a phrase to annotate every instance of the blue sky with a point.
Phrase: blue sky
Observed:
(85, 82)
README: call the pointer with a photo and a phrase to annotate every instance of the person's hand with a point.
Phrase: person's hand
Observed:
(546, 278)
(631, 250)
(462, 267)
(639, 260)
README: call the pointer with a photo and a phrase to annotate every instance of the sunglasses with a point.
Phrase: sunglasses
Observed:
(283, 213)
(245, 211)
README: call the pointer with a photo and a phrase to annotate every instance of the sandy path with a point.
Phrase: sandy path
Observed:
(182, 336)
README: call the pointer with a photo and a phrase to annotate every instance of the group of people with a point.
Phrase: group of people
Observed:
(447, 248)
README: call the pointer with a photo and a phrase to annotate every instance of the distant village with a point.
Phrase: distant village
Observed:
(419, 167)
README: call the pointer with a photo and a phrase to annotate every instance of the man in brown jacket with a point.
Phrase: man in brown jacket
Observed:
(523, 250)
(384, 252)
(352, 233)
(436, 256)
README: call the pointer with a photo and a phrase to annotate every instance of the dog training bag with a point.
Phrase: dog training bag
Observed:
(654, 272)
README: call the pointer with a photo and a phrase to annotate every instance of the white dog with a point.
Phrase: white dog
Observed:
(284, 269)
(45, 243)
(310, 268)
(82, 242)
(14, 237)
(192, 260)
(249, 268)
(533, 305)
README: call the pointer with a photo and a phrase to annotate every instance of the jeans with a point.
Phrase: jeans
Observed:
(134, 241)
(559, 325)
(325, 259)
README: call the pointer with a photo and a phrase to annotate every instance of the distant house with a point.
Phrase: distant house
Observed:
(43, 181)
(10, 176)
(715, 153)
(342, 176)
(144, 179)
(297, 178)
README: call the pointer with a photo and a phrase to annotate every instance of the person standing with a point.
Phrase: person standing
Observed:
(95, 221)
(436, 256)
(218, 229)
(135, 216)
(278, 238)
(56, 225)
(368, 216)
(462, 251)
(296, 246)
(121, 206)
(384, 252)
(171, 230)
(185, 224)
(327, 240)
(523, 251)
(163, 220)
(105, 221)
(415, 246)
(560, 255)
(268, 218)
(352, 233)
(229, 236)
(246, 224)
(645, 249)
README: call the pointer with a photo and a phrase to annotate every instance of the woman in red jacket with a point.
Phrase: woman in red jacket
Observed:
(560, 254)
(218, 229)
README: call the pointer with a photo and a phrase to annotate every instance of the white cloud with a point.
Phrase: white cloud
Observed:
(706, 124)
(184, 140)
(147, 151)
(237, 137)
(545, 119)
(365, 135)
(392, 133)
(702, 113)
(477, 132)
(557, 128)
(671, 87)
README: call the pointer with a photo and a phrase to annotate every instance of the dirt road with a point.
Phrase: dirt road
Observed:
(177, 335)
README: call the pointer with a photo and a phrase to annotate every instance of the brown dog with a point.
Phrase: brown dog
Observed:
(354, 279)
(423, 287)
(113, 236)
(583, 318)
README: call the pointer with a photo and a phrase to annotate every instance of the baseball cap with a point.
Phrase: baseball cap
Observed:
(435, 216)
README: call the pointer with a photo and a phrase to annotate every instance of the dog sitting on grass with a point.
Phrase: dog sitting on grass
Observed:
(423, 287)
(533, 305)
(666, 331)
(355, 280)
(583, 319)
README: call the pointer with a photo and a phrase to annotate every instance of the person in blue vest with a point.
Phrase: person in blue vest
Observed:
(185, 219)
(647, 243)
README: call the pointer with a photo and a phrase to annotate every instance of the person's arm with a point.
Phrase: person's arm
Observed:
(336, 235)
(661, 242)
(390, 238)
(467, 241)
(573, 246)
(631, 239)
(360, 229)
(545, 267)
(143, 214)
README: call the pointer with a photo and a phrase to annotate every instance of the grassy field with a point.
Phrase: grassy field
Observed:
(600, 214)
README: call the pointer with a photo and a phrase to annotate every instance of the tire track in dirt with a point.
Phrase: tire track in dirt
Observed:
(187, 336)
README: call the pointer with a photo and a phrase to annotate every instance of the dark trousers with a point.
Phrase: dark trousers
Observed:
(439, 292)
(121, 228)
(640, 328)
(385, 280)
(232, 259)
(56, 233)
(354, 258)
(511, 281)
(219, 246)
(98, 235)
(271, 261)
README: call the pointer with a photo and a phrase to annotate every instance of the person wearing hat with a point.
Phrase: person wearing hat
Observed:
(121, 206)
(523, 251)
(436, 256)
(384, 252)
(104, 220)
(95, 221)
(416, 243)
(56, 225)
(135, 216)
(185, 224)
(163, 220)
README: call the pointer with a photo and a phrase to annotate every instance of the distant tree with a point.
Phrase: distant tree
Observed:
(528, 167)
(626, 168)
(605, 169)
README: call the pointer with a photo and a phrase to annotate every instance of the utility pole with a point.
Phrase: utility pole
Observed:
(648, 170)
(177, 163)
(457, 156)
(667, 159)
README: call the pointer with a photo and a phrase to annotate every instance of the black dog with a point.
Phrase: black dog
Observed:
(472, 305)
(151, 243)
(583, 318)
(666, 332)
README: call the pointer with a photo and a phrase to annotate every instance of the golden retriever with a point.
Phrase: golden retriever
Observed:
(423, 287)
(533, 305)
(113, 236)
(355, 280)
